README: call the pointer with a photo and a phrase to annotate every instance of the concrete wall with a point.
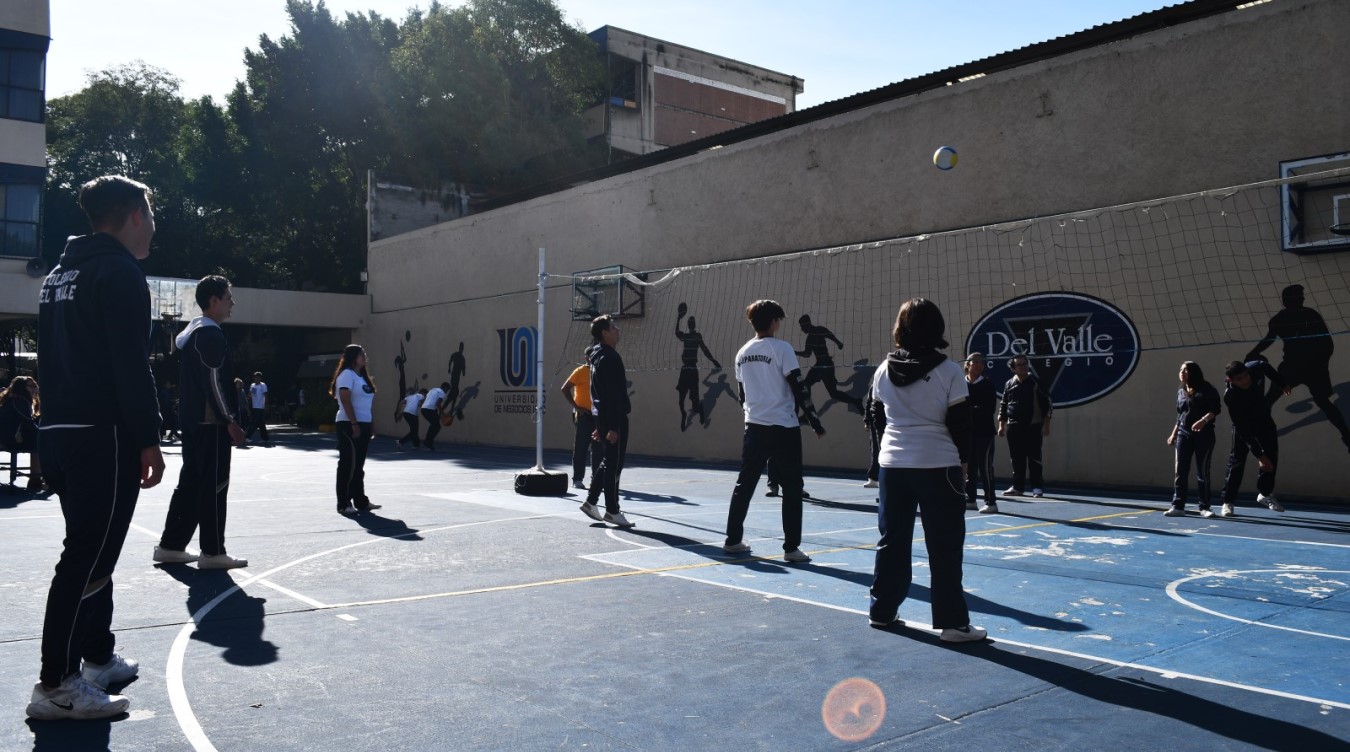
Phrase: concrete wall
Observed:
(1213, 103)
(28, 16)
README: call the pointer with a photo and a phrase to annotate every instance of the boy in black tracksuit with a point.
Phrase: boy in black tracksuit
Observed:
(1024, 416)
(1253, 431)
(610, 406)
(99, 440)
(209, 430)
(984, 403)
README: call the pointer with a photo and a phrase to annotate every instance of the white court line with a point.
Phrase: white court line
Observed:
(173, 671)
(1174, 595)
(1273, 540)
(34, 517)
(305, 599)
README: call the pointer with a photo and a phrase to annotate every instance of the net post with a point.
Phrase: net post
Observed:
(539, 374)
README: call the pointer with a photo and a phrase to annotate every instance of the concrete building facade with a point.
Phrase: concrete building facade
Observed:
(663, 94)
(25, 34)
(1190, 98)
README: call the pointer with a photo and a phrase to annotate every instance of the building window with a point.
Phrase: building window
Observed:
(624, 76)
(22, 206)
(21, 84)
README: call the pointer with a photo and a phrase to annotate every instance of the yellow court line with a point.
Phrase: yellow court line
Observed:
(663, 570)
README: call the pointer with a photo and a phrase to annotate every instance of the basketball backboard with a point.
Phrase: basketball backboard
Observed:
(1313, 210)
(607, 290)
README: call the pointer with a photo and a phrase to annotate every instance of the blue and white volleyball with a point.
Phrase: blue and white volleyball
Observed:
(944, 158)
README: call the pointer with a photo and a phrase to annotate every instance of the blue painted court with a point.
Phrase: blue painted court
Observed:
(464, 616)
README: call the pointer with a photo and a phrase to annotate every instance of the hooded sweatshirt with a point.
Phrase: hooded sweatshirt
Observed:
(94, 341)
(927, 415)
(609, 388)
(204, 367)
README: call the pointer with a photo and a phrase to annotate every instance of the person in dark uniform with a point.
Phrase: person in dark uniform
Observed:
(99, 439)
(1198, 406)
(610, 407)
(1307, 355)
(209, 431)
(817, 345)
(983, 401)
(1024, 417)
(1253, 431)
(688, 383)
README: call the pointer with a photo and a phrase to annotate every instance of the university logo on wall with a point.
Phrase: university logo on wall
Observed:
(519, 352)
(1081, 348)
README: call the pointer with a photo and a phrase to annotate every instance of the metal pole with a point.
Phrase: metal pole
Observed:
(539, 374)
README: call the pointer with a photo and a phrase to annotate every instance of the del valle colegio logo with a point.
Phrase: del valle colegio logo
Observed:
(1080, 348)
(519, 351)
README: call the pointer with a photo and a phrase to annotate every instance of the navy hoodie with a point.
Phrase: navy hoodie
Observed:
(609, 387)
(94, 341)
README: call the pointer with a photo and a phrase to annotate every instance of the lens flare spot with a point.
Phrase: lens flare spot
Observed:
(853, 710)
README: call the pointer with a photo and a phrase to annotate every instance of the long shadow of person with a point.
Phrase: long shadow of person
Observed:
(465, 397)
(65, 736)
(235, 624)
(1262, 730)
(715, 389)
(1314, 413)
(976, 603)
(387, 527)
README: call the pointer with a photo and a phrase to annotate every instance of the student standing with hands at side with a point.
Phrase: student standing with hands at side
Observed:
(355, 393)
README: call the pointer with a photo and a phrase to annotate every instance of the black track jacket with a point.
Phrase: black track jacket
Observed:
(94, 341)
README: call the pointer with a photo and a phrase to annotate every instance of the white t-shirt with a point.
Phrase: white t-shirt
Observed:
(259, 393)
(362, 396)
(433, 398)
(412, 402)
(762, 366)
(916, 417)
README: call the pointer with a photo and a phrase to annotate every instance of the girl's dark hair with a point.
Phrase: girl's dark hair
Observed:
(1197, 376)
(919, 326)
(349, 355)
(28, 390)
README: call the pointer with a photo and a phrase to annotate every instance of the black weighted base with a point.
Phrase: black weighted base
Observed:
(541, 483)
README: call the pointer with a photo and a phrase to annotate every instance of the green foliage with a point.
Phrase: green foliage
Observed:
(270, 190)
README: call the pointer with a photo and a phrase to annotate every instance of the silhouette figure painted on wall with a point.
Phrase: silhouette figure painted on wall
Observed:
(400, 362)
(1307, 355)
(817, 346)
(456, 367)
(688, 383)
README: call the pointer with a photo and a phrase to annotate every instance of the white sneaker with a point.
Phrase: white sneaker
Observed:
(592, 511)
(963, 634)
(1227, 511)
(1206, 512)
(1175, 512)
(989, 509)
(618, 520)
(871, 484)
(796, 556)
(220, 561)
(1012, 492)
(170, 556)
(1272, 503)
(1037, 493)
(736, 548)
(115, 671)
(75, 699)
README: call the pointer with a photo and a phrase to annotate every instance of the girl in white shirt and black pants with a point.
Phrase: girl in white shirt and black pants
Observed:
(923, 457)
(355, 391)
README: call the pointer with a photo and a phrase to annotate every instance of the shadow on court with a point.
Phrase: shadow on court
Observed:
(236, 626)
(67, 736)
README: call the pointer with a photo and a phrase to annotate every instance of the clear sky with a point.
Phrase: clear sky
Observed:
(839, 48)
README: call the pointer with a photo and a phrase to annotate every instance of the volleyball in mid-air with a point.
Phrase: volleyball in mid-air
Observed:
(944, 158)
